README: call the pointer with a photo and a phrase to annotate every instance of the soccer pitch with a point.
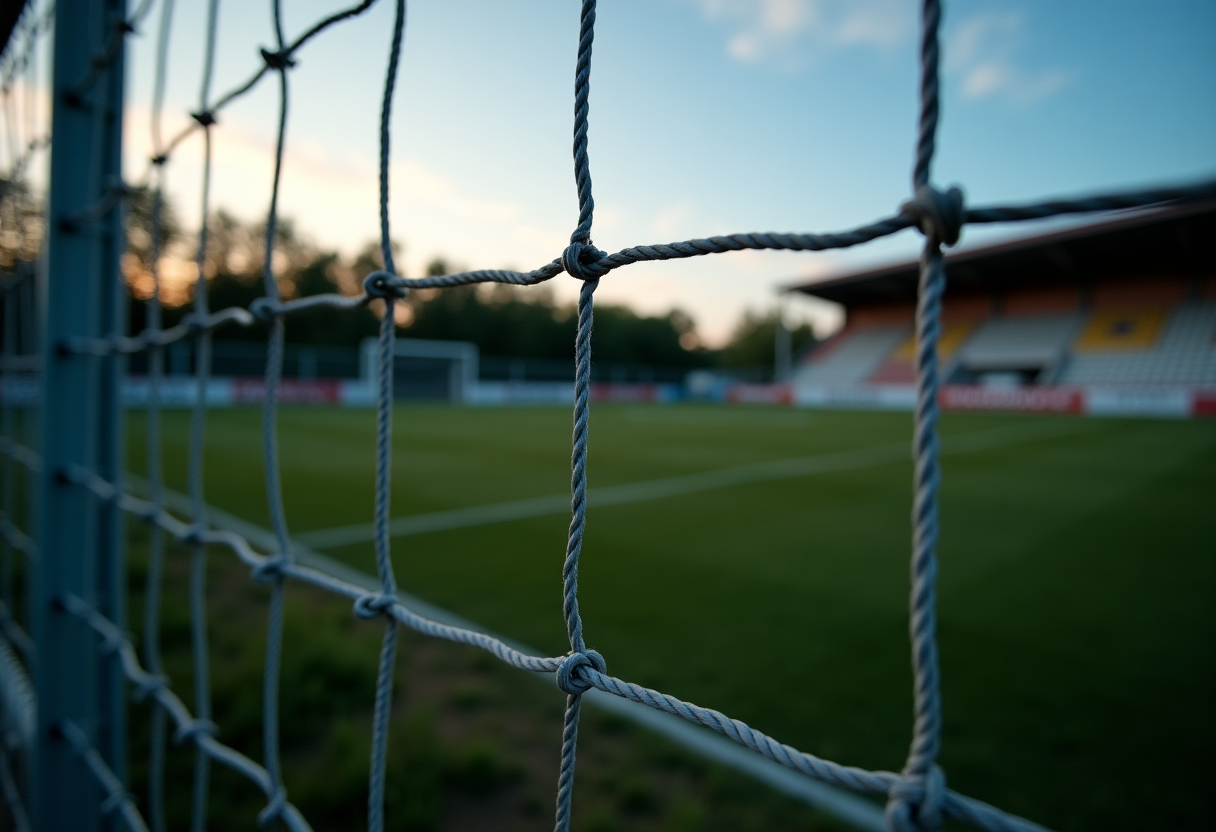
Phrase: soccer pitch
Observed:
(765, 574)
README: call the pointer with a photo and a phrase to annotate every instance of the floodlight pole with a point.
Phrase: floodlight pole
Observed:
(78, 535)
(782, 347)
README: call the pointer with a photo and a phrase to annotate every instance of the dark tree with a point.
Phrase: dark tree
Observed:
(753, 343)
(503, 321)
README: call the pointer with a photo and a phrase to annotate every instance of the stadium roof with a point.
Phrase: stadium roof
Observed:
(1173, 240)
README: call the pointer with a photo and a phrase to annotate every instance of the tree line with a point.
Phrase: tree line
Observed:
(501, 320)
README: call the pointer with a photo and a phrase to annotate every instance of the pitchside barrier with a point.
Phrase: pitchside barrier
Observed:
(448, 381)
(65, 734)
(1164, 401)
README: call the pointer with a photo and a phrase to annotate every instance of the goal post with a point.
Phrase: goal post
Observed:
(426, 369)
(77, 681)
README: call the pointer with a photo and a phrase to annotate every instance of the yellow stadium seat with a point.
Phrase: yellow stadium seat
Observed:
(1111, 330)
(951, 338)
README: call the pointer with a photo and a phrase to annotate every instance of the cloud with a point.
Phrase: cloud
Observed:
(333, 197)
(770, 24)
(982, 54)
(876, 23)
(672, 218)
(785, 29)
(990, 79)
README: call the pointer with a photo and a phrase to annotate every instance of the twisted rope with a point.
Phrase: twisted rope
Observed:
(272, 570)
(12, 796)
(902, 814)
(384, 451)
(11, 536)
(117, 800)
(941, 219)
(582, 92)
(579, 252)
(156, 539)
(187, 727)
(198, 428)
(574, 548)
(285, 55)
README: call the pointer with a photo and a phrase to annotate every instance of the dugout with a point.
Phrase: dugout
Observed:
(1127, 300)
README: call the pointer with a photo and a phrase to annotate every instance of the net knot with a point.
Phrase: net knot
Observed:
(583, 261)
(385, 285)
(373, 604)
(68, 475)
(915, 803)
(205, 118)
(277, 60)
(113, 803)
(195, 323)
(269, 570)
(939, 214)
(112, 643)
(148, 687)
(265, 309)
(117, 188)
(570, 679)
(274, 809)
(193, 728)
(194, 534)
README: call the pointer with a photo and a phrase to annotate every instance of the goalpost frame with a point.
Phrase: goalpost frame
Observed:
(76, 679)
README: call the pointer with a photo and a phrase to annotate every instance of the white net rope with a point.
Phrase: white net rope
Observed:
(917, 797)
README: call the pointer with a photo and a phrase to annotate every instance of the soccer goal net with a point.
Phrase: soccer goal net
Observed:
(67, 663)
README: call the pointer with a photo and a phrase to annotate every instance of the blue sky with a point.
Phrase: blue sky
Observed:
(707, 116)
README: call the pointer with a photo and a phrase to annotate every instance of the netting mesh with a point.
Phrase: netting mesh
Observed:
(21, 240)
(917, 797)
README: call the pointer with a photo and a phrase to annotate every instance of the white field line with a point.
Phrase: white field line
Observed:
(851, 808)
(682, 485)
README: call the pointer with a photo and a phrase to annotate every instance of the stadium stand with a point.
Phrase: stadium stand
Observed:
(854, 355)
(1122, 311)
(1130, 329)
(1183, 352)
(900, 367)
(1030, 347)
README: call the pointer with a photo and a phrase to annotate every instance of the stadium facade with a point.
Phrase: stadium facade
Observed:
(1112, 317)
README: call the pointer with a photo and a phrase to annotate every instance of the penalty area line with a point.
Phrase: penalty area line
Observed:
(851, 808)
(684, 484)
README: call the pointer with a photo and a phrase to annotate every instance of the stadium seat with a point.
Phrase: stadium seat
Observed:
(852, 356)
(1182, 354)
(900, 367)
(1121, 329)
(1031, 344)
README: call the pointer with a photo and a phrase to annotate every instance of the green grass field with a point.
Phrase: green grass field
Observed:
(1078, 575)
